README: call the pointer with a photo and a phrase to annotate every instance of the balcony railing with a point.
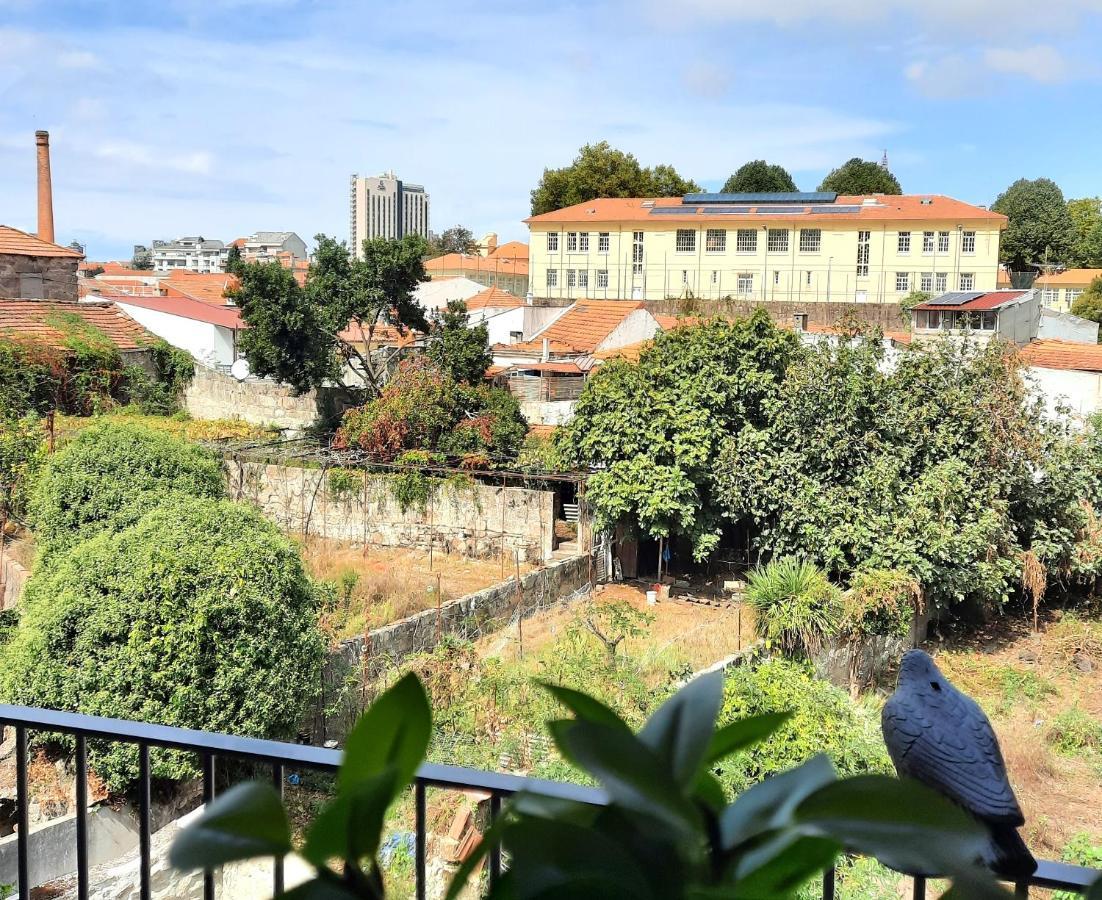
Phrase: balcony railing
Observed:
(277, 756)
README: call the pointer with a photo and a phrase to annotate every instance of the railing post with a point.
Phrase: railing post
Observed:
(920, 888)
(277, 873)
(419, 827)
(82, 817)
(495, 851)
(22, 798)
(208, 796)
(144, 821)
(828, 884)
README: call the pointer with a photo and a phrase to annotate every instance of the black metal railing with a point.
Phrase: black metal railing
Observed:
(277, 755)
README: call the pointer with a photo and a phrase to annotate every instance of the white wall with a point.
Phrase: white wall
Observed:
(1066, 327)
(639, 326)
(1081, 391)
(210, 344)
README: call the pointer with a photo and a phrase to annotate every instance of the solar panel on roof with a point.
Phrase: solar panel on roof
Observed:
(782, 210)
(764, 197)
(725, 210)
(837, 209)
(956, 298)
(673, 211)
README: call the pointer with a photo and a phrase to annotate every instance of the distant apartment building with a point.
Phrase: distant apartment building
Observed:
(1062, 289)
(799, 247)
(190, 254)
(386, 207)
(271, 246)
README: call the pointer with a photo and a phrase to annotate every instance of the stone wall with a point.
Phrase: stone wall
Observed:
(13, 576)
(59, 275)
(214, 395)
(887, 315)
(467, 519)
(467, 618)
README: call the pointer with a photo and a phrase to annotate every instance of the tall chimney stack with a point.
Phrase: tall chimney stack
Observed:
(45, 188)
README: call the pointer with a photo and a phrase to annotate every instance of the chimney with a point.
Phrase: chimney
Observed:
(45, 188)
(546, 355)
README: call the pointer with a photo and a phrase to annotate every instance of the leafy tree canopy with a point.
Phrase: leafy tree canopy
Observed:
(599, 170)
(652, 428)
(142, 259)
(198, 615)
(1040, 230)
(456, 239)
(759, 176)
(1089, 303)
(861, 176)
(1086, 221)
(457, 349)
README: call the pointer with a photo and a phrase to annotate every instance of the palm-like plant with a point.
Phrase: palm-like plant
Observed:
(795, 603)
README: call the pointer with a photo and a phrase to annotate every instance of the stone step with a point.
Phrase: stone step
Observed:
(572, 546)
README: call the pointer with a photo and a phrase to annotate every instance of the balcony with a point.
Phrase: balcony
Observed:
(278, 757)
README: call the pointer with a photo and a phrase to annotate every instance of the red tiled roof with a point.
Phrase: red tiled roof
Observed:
(382, 334)
(1069, 277)
(19, 243)
(559, 368)
(115, 268)
(527, 348)
(630, 352)
(493, 298)
(208, 287)
(584, 325)
(43, 320)
(187, 308)
(1051, 353)
(472, 262)
(511, 250)
(990, 300)
(910, 207)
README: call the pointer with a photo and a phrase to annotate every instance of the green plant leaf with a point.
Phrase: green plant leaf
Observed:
(584, 706)
(394, 731)
(245, 822)
(744, 733)
(783, 864)
(710, 792)
(902, 823)
(680, 731)
(319, 889)
(632, 773)
(350, 826)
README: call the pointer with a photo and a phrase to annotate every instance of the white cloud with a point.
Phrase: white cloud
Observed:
(946, 76)
(78, 59)
(1040, 62)
(134, 154)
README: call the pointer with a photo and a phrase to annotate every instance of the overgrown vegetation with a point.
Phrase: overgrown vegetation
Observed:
(796, 605)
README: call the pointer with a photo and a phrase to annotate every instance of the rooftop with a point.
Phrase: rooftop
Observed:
(1052, 353)
(187, 308)
(19, 243)
(972, 300)
(208, 287)
(472, 262)
(494, 298)
(511, 250)
(1069, 277)
(582, 328)
(44, 320)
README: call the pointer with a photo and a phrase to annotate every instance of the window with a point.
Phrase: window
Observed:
(602, 278)
(552, 278)
(967, 281)
(941, 281)
(943, 242)
(935, 319)
(684, 276)
(811, 239)
(903, 243)
(777, 240)
(637, 253)
(921, 318)
(927, 242)
(583, 278)
(572, 242)
(571, 278)
(926, 281)
(583, 242)
(515, 337)
(31, 287)
(902, 281)
(715, 240)
(745, 283)
(776, 276)
(747, 241)
(1072, 294)
(686, 240)
(1049, 295)
(715, 276)
(808, 280)
(863, 254)
(602, 242)
(968, 242)
(987, 321)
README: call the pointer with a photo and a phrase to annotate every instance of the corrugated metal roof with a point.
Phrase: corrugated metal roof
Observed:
(975, 300)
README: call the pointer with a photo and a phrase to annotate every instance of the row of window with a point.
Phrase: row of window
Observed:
(577, 278)
(936, 282)
(940, 239)
(577, 242)
(950, 319)
(1051, 295)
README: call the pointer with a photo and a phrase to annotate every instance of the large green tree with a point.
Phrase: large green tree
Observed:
(457, 239)
(652, 428)
(1040, 231)
(758, 176)
(1086, 222)
(303, 336)
(457, 348)
(861, 176)
(600, 170)
(1088, 304)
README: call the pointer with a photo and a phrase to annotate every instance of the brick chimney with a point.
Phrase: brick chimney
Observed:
(45, 188)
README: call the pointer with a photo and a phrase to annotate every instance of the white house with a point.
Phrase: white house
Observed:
(434, 295)
(1066, 373)
(508, 319)
(207, 332)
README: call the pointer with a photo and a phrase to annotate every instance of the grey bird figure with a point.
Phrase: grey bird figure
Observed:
(939, 736)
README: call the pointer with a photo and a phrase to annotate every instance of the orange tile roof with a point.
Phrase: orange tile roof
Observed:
(585, 324)
(542, 431)
(511, 250)
(1070, 277)
(210, 288)
(1051, 353)
(888, 208)
(472, 262)
(493, 298)
(630, 352)
(117, 268)
(19, 243)
(382, 334)
(38, 319)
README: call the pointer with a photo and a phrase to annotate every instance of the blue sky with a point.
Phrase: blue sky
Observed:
(223, 118)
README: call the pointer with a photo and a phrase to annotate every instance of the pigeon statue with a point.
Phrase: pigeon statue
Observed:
(940, 737)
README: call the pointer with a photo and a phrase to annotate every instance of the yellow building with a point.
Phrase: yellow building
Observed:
(1061, 290)
(802, 247)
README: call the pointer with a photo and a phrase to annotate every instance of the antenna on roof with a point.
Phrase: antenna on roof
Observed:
(884, 159)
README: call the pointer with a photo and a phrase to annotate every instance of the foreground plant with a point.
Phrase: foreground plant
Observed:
(667, 830)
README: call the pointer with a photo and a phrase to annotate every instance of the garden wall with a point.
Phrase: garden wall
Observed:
(887, 315)
(470, 518)
(467, 618)
(13, 576)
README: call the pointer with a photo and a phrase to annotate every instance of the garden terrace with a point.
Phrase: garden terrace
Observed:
(279, 758)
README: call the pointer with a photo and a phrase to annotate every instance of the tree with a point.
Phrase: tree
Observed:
(1040, 231)
(1086, 222)
(860, 176)
(651, 429)
(1089, 303)
(457, 349)
(198, 615)
(305, 336)
(142, 258)
(456, 239)
(599, 170)
(758, 176)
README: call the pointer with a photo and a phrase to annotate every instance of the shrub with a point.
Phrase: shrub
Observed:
(22, 453)
(1081, 850)
(824, 720)
(200, 615)
(880, 601)
(159, 393)
(109, 476)
(1074, 731)
(796, 604)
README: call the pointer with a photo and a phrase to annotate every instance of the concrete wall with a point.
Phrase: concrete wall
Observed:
(1066, 327)
(210, 344)
(639, 326)
(547, 412)
(13, 577)
(464, 519)
(1081, 391)
(212, 395)
(59, 275)
(887, 315)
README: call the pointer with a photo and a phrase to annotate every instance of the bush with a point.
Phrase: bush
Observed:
(159, 393)
(22, 453)
(200, 615)
(1074, 731)
(880, 601)
(795, 603)
(110, 475)
(824, 720)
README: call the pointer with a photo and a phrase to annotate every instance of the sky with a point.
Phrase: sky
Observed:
(227, 117)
